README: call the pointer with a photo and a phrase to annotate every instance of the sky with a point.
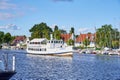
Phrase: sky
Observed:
(18, 16)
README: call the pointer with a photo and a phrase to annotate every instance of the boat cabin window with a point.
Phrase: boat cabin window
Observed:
(57, 42)
(43, 42)
(51, 41)
(35, 42)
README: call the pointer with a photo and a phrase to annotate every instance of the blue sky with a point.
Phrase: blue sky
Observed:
(18, 16)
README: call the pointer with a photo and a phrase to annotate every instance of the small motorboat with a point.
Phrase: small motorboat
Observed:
(6, 74)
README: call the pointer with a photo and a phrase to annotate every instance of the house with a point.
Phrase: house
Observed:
(66, 37)
(19, 41)
(81, 38)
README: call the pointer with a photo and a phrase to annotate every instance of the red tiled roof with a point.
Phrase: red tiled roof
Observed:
(19, 38)
(66, 37)
(82, 37)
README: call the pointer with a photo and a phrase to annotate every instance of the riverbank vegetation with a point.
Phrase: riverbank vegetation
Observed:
(42, 30)
(105, 36)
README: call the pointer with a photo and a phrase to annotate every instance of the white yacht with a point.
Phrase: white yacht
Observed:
(51, 47)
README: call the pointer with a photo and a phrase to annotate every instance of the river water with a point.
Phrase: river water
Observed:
(77, 67)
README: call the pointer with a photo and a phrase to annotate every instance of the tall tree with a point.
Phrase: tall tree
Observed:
(105, 36)
(1, 36)
(40, 31)
(56, 33)
(86, 42)
(72, 30)
(7, 38)
(56, 28)
(70, 42)
(73, 35)
(63, 31)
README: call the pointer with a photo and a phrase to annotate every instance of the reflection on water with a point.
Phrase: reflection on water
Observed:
(78, 67)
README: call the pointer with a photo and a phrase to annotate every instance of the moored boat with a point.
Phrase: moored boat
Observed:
(6, 74)
(43, 46)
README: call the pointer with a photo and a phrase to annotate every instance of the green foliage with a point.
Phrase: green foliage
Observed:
(12, 38)
(1, 36)
(105, 35)
(56, 28)
(80, 47)
(7, 38)
(0, 46)
(86, 42)
(70, 42)
(40, 31)
(72, 30)
(56, 34)
(63, 31)
(89, 33)
(115, 44)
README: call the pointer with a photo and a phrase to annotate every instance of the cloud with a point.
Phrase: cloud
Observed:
(10, 27)
(8, 15)
(4, 4)
(83, 30)
(53, 26)
(9, 10)
(4, 16)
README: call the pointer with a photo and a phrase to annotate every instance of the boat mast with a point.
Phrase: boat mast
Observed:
(51, 37)
(13, 62)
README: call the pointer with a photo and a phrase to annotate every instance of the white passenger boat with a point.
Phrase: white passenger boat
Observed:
(49, 47)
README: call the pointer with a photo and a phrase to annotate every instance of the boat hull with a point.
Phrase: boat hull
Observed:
(62, 53)
(53, 51)
(6, 75)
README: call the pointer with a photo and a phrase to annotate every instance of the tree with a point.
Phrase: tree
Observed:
(70, 42)
(40, 31)
(106, 35)
(73, 35)
(1, 36)
(7, 38)
(56, 33)
(72, 30)
(103, 36)
(56, 28)
(115, 44)
(63, 31)
(86, 42)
